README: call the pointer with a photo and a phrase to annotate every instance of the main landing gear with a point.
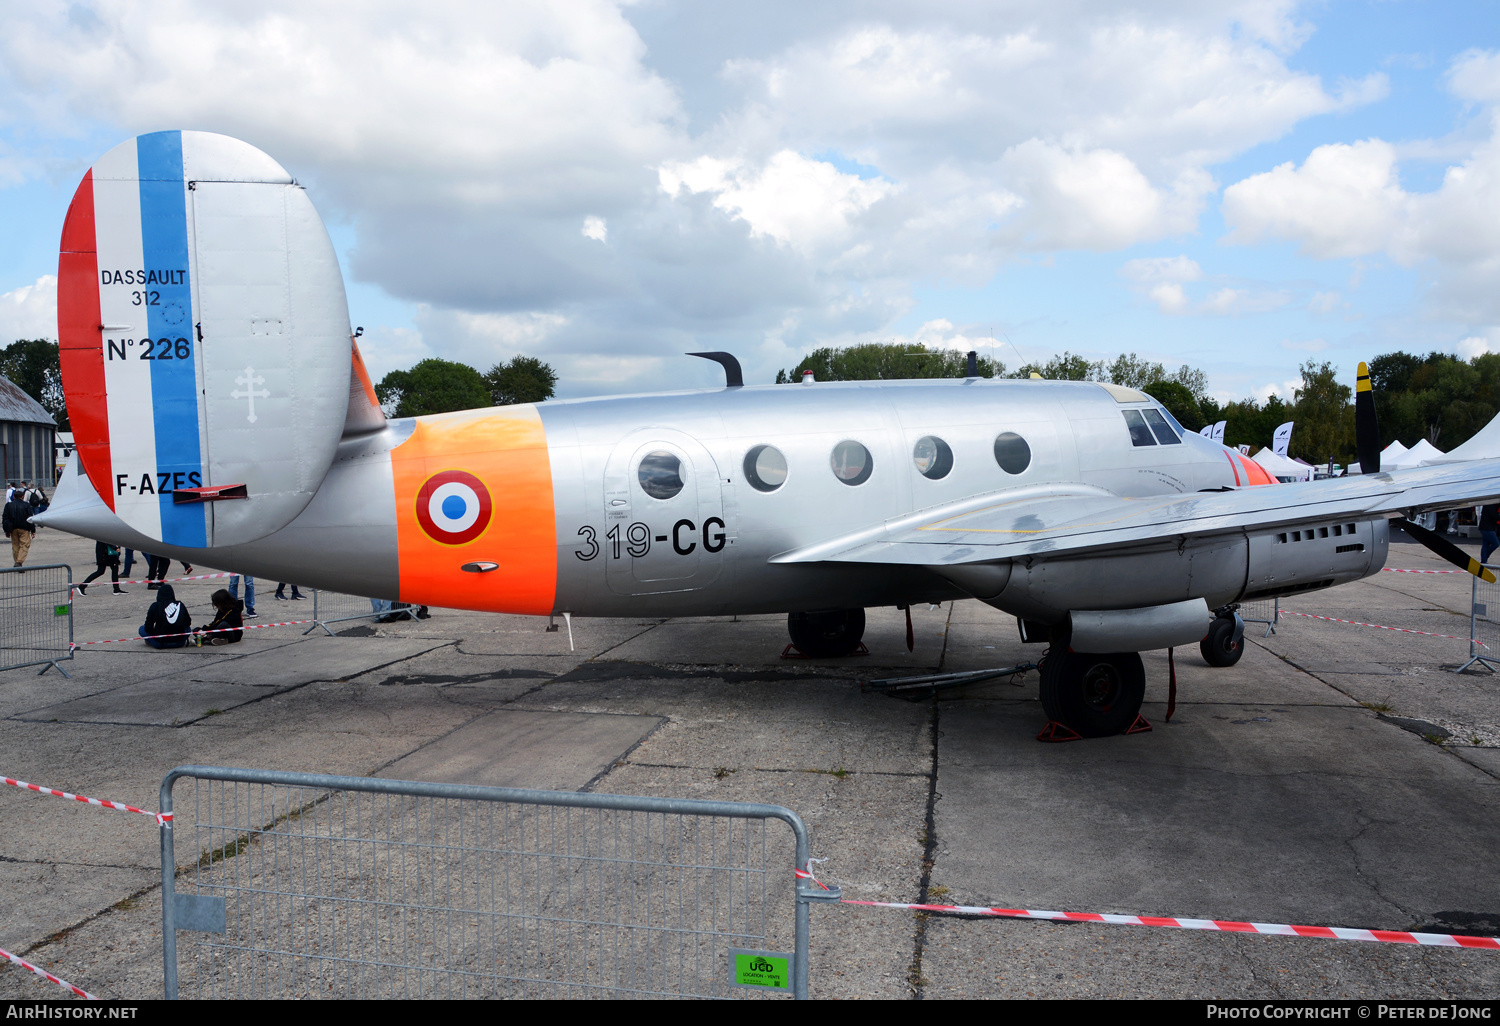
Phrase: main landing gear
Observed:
(827, 635)
(1094, 695)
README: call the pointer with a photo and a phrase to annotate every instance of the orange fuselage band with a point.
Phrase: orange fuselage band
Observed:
(496, 459)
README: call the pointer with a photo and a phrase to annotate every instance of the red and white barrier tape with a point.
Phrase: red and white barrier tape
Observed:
(189, 634)
(163, 818)
(1403, 630)
(1395, 570)
(18, 960)
(159, 580)
(1437, 940)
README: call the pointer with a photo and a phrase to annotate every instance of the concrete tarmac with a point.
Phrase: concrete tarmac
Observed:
(1338, 775)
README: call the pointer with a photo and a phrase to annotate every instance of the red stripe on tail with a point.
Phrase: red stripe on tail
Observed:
(80, 349)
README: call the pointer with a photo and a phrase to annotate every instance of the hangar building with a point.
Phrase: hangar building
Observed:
(27, 436)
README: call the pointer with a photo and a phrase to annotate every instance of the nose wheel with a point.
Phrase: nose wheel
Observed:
(1095, 695)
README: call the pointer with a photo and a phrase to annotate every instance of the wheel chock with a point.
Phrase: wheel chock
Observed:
(1140, 726)
(1055, 731)
(793, 652)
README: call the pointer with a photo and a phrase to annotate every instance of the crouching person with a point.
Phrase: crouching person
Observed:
(167, 621)
(227, 622)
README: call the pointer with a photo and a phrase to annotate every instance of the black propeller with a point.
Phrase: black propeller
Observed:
(1367, 439)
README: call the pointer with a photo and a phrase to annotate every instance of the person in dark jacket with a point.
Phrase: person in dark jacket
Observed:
(227, 615)
(167, 616)
(1489, 531)
(15, 520)
(107, 557)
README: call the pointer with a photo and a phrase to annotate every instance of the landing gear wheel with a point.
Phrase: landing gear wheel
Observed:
(1095, 695)
(827, 635)
(1224, 643)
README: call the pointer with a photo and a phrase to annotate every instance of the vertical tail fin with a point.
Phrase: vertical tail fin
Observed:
(204, 337)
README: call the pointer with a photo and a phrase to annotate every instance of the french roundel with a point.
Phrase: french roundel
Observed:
(453, 507)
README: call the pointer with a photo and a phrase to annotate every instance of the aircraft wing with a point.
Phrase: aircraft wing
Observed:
(1052, 521)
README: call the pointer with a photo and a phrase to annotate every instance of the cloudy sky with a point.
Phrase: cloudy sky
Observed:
(1235, 185)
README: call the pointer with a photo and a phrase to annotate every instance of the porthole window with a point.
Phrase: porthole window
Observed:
(660, 474)
(1012, 452)
(933, 457)
(852, 463)
(765, 468)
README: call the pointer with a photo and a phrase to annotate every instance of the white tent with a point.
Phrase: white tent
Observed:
(1422, 453)
(1392, 456)
(1281, 468)
(1484, 445)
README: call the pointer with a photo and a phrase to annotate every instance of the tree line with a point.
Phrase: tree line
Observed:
(1438, 397)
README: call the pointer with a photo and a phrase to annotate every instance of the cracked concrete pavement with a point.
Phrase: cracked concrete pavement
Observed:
(1301, 785)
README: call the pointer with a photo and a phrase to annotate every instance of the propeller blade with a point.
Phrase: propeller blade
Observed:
(1366, 430)
(1443, 547)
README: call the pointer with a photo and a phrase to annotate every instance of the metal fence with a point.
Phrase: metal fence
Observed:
(334, 607)
(295, 885)
(1484, 624)
(36, 616)
(1266, 611)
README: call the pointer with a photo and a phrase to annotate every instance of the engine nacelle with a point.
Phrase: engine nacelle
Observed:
(1139, 630)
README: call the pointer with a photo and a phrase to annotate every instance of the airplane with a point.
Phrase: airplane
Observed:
(222, 414)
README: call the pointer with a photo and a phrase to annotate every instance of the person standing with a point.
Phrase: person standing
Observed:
(107, 557)
(281, 591)
(129, 559)
(156, 569)
(15, 520)
(234, 593)
(1489, 531)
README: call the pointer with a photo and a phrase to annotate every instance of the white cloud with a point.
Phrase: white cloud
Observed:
(782, 199)
(1232, 302)
(1475, 75)
(29, 311)
(1158, 269)
(1325, 302)
(1347, 200)
(1473, 346)
(804, 203)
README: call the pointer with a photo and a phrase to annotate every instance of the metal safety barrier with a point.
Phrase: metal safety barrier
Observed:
(1266, 611)
(1484, 624)
(36, 616)
(334, 607)
(297, 885)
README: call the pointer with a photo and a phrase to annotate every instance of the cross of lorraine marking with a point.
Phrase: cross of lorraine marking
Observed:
(250, 379)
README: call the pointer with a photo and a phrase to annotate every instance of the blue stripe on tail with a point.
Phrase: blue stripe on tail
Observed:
(174, 377)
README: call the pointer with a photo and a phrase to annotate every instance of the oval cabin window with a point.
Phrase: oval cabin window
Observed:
(765, 468)
(660, 474)
(1012, 452)
(932, 457)
(852, 463)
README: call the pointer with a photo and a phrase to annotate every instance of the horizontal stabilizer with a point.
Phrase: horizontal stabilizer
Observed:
(204, 338)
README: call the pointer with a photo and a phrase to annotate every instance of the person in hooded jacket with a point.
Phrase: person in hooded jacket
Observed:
(16, 522)
(227, 620)
(165, 617)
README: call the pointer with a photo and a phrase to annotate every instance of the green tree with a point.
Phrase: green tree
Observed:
(32, 365)
(1066, 367)
(433, 386)
(1178, 400)
(1324, 415)
(525, 379)
(885, 361)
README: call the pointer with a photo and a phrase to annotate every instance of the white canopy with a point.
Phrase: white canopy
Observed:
(1421, 453)
(1391, 455)
(1280, 466)
(1484, 445)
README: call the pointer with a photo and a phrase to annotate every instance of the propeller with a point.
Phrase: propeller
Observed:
(1367, 439)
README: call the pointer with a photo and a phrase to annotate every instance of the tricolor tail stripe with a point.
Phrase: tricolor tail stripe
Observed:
(174, 381)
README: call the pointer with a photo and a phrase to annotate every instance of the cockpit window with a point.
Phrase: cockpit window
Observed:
(1176, 424)
(1164, 433)
(1140, 434)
